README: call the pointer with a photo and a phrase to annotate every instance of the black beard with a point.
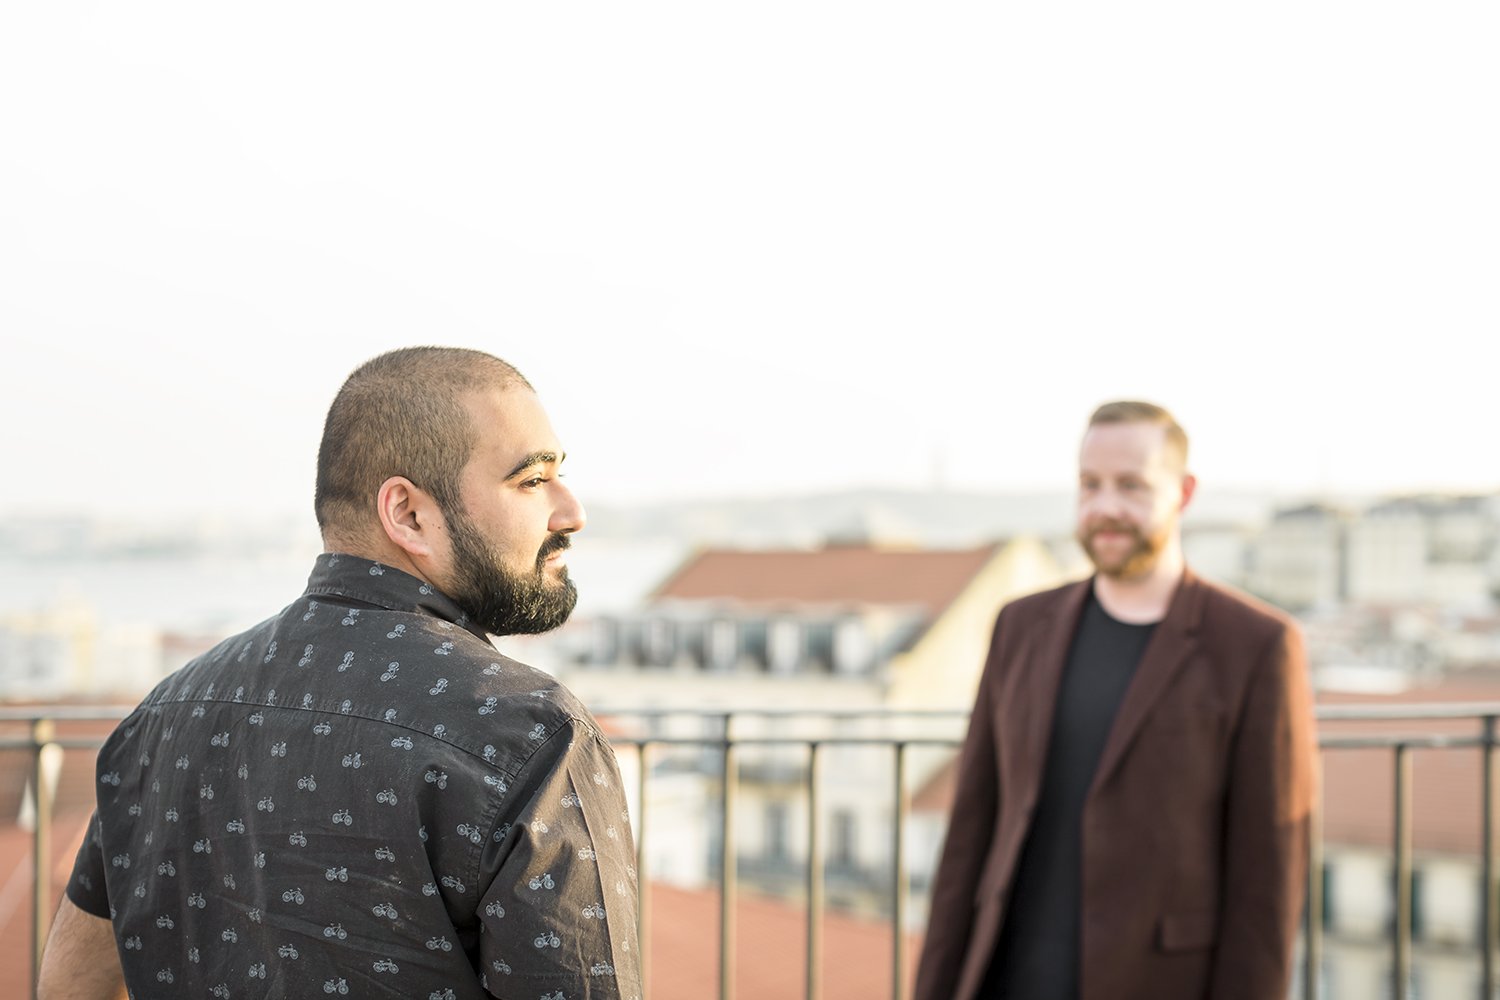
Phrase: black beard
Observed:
(499, 601)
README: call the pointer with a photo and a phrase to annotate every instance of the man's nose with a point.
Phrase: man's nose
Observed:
(1106, 502)
(568, 514)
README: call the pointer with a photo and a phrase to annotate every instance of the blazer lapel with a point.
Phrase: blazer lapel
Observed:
(1045, 664)
(1172, 644)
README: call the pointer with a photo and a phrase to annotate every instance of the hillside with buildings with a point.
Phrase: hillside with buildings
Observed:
(1392, 592)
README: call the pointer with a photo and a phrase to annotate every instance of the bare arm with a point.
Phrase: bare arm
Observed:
(80, 962)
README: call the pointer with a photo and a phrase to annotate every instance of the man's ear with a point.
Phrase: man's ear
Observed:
(1189, 487)
(409, 516)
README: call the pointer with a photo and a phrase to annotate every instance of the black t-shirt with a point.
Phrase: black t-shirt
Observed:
(1038, 953)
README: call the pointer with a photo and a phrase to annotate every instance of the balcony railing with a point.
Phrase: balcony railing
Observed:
(35, 729)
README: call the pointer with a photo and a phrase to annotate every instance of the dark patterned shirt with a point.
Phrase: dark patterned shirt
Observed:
(361, 797)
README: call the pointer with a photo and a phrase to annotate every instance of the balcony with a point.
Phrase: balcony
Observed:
(788, 854)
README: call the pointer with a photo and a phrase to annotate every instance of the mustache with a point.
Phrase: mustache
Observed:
(1108, 525)
(558, 542)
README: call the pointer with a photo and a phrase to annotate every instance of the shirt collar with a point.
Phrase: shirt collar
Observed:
(338, 574)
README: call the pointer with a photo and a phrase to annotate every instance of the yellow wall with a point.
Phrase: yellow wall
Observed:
(942, 670)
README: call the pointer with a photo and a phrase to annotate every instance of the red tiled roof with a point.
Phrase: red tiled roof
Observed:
(770, 949)
(15, 892)
(839, 575)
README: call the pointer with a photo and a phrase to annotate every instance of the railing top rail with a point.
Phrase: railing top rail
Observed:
(64, 713)
(1326, 713)
(1341, 712)
(822, 713)
(1411, 710)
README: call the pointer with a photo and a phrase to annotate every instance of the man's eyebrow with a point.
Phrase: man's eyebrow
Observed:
(534, 459)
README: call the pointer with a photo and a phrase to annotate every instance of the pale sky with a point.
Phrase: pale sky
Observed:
(752, 249)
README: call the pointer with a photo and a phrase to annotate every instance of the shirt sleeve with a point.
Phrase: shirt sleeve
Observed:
(559, 917)
(86, 887)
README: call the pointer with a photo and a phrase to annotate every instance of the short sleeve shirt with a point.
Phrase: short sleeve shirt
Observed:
(361, 797)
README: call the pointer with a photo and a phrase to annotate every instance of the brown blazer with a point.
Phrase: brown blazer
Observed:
(1195, 827)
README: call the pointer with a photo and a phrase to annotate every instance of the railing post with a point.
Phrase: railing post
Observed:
(1401, 930)
(900, 891)
(1490, 919)
(727, 873)
(43, 732)
(814, 873)
(642, 889)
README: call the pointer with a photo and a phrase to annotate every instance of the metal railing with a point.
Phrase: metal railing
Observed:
(1401, 748)
(729, 745)
(41, 723)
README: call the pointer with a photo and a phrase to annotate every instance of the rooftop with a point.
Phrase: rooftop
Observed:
(835, 575)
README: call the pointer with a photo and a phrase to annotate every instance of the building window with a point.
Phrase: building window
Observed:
(844, 842)
(1418, 922)
(661, 642)
(777, 832)
(817, 647)
(753, 644)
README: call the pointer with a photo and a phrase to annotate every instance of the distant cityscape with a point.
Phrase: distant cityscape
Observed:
(1392, 591)
(1389, 589)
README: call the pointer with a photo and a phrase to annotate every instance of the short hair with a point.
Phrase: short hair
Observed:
(401, 414)
(1134, 411)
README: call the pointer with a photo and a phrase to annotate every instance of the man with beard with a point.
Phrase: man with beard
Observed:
(360, 795)
(1133, 796)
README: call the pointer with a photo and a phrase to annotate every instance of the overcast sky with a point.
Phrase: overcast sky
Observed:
(751, 249)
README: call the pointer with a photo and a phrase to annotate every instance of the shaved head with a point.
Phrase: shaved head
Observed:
(401, 414)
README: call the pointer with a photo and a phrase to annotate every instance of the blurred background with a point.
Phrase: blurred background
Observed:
(819, 297)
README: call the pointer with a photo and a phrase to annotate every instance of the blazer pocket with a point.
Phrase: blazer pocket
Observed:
(1188, 931)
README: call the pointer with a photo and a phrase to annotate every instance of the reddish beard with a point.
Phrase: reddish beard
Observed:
(1138, 559)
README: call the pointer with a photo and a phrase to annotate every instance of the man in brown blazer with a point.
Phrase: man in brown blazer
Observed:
(1134, 792)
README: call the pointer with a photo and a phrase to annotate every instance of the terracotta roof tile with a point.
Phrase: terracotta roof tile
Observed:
(68, 828)
(837, 575)
(770, 951)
